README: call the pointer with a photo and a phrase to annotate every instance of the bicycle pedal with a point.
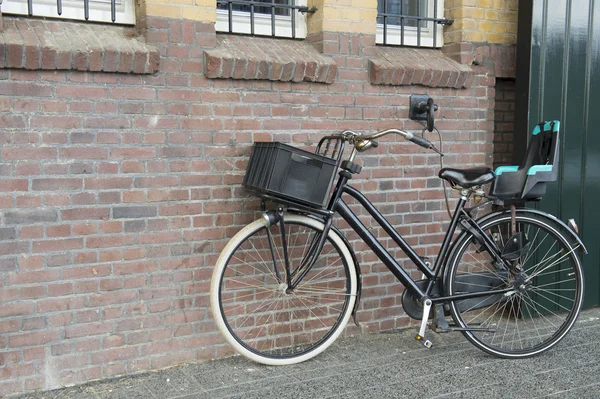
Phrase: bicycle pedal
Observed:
(426, 343)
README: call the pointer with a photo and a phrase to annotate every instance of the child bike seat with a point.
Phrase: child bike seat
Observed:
(527, 182)
(467, 178)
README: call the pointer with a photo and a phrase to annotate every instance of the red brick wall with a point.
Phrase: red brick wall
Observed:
(504, 122)
(117, 192)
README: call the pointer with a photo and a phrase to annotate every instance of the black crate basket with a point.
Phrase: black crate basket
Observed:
(279, 171)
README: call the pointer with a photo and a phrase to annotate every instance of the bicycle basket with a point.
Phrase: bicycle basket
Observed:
(291, 174)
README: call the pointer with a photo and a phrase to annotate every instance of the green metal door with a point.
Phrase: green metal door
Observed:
(559, 78)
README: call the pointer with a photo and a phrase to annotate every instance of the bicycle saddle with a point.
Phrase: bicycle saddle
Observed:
(467, 178)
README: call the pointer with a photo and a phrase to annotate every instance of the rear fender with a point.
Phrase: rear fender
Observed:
(504, 212)
(554, 219)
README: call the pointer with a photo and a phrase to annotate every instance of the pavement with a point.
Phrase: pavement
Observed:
(384, 365)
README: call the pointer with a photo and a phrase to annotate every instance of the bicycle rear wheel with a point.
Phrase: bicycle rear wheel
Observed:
(253, 307)
(546, 296)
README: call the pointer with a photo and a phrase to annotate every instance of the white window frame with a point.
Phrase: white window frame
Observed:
(262, 23)
(410, 32)
(99, 10)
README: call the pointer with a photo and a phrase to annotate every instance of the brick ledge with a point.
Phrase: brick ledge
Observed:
(402, 66)
(61, 45)
(244, 57)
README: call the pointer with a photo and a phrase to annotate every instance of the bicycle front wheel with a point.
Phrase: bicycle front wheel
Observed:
(253, 306)
(545, 287)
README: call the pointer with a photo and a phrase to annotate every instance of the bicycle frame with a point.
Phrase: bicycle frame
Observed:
(337, 204)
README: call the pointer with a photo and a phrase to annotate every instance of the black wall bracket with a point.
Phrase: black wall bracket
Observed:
(422, 108)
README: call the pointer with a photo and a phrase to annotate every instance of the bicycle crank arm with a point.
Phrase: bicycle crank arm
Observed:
(421, 335)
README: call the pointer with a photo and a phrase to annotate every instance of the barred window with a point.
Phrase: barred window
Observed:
(411, 22)
(279, 18)
(118, 11)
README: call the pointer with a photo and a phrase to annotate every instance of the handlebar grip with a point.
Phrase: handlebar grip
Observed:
(420, 141)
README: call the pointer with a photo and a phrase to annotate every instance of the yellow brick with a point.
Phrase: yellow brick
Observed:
(512, 5)
(364, 28)
(453, 37)
(511, 28)
(508, 16)
(451, 13)
(455, 13)
(184, 2)
(162, 10)
(199, 14)
(491, 15)
(485, 3)
(339, 4)
(469, 3)
(315, 26)
(485, 26)
(462, 12)
(206, 3)
(500, 38)
(500, 4)
(475, 37)
(364, 3)
(351, 14)
(470, 13)
(330, 13)
(369, 16)
(334, 26)
(454, 3)
(457, 25)
(499, 28)
(469, 24)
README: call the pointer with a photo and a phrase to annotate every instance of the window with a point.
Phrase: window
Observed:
(118, 11)
(411, 22)
(281, 18)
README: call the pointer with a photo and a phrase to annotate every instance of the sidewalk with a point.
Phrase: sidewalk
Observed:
(387, 365)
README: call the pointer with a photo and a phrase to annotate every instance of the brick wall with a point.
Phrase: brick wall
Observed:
(117, 192)
(478, 21)
(348, 16)
(504, 122)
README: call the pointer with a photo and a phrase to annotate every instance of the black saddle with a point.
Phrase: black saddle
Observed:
(467, 178)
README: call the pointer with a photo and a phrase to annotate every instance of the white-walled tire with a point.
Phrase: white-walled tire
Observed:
(258, 315)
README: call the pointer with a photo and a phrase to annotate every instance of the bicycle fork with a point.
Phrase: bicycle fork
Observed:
(294, 277)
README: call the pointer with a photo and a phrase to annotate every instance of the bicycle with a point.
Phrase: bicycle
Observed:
(285, 286)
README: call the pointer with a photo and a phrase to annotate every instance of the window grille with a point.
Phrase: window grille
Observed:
(411, 22)
(117, 11)
(277, 18)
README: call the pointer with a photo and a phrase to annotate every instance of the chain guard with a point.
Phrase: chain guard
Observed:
(412, 307)
(465, 283)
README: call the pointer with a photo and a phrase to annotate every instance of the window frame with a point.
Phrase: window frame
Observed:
(99, 10)
(411, 38)
(262, 23)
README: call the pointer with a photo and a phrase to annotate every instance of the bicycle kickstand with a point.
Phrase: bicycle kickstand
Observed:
(421, 335)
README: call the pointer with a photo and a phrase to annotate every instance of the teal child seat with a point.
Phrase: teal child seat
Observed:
(527, 182)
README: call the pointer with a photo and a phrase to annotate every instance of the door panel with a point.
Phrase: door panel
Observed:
(563, 55)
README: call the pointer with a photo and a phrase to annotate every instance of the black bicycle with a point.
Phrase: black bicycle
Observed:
(285, 286)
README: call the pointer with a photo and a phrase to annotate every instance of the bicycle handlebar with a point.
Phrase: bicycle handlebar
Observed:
(362, 143)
